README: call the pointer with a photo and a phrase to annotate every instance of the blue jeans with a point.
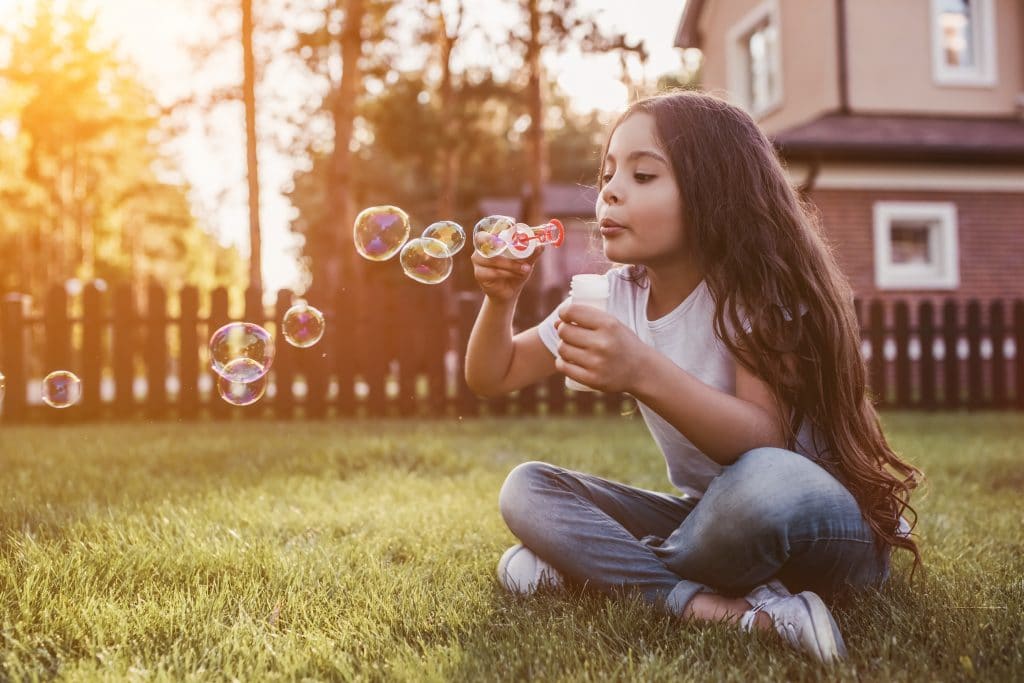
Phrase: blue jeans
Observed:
(771, 514)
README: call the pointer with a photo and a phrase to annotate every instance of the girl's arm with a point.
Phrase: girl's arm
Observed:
(497, 362)
(722, 426)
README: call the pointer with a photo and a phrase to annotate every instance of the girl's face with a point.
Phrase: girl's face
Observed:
(639, 208)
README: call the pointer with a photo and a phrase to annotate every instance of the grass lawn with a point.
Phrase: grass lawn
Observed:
(366, 551)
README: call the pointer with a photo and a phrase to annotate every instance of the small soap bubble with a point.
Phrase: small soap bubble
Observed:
(61, 389)
(380, 231)
(521, 242)
(241, 340)
(3, 387)
(449, 232)
(303, 325)
(488, 239)
(239, 393)
(426, 260)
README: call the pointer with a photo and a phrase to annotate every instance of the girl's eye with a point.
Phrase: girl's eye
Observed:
(606, 178)
(642, 177)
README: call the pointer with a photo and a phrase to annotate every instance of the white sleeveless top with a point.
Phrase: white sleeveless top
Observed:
(686, 336)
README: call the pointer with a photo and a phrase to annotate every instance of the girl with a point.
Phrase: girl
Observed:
(734, 329)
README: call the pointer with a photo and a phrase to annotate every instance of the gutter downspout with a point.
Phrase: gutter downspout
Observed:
(843, 66)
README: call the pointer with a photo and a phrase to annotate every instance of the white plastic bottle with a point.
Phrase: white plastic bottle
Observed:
(588, 290)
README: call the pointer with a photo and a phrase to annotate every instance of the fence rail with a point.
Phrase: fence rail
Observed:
(395, 349)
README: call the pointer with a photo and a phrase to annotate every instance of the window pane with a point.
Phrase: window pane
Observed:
(956, 22)
(760, 48)
(910, 243)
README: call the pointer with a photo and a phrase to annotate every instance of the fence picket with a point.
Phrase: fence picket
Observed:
(997, 334)
(926, 335)
(377, 325)
(92, 351)
(155, 352)
(188, 363)
(950, 359)
(975, 393)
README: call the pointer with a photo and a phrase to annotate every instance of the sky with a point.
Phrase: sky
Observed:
(154, 33)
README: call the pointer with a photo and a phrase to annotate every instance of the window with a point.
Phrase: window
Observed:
(963, 42)
(916, 245)
(755, 60)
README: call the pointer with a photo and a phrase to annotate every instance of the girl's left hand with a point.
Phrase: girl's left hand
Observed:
(597, 350)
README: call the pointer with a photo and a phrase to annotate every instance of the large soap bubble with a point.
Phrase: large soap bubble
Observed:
(241, 340)
(427, 260)
(380, 231)
(61, 389)
(490, 235)
(449, 232)
(303, 325)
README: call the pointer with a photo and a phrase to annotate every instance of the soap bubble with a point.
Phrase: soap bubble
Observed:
(3, 387)
(521, 242)
(241, 340)
(487, 234)
(449, 232)
(239, 393)
(61, 389)
(303, 325)
(426, 260)
(380, 231)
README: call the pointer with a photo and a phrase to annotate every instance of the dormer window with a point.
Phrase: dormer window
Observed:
(755, 60)
(963, 42)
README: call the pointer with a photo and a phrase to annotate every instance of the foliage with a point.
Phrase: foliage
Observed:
(87, 190)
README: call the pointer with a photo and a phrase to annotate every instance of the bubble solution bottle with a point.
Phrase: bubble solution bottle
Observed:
(587, 290)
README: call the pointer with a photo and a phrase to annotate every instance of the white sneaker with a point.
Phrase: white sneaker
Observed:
(521, 572)
(768, 591)
(802, 620)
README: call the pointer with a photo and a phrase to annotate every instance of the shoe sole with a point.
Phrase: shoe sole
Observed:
(827, 638)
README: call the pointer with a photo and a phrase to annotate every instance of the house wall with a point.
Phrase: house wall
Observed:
(890, 58)
(809, 56)
(990, 233)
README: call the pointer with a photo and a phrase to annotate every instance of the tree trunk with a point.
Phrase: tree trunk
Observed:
(341, 213)
(449, 150)
(535, 103)
(249, 95)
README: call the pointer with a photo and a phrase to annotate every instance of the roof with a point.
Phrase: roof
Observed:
(560, 201)
(686, 34)
(905, 138)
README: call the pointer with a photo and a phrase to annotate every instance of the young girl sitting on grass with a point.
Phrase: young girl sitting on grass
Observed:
(735, 331)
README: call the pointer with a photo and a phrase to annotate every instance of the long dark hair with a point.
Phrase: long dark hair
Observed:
(762, 254)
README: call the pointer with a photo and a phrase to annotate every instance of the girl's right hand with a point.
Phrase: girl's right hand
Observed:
(502, 278)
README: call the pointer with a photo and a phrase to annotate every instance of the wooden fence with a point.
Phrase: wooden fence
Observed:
(395, 348)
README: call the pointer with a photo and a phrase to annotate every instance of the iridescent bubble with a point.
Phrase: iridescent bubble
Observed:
(61, 389)
(239, 393)
(380, 231)
(449, 232)
(521, 240)
(303, 325)
(426, 260)
(3, 387)
(242, 340)
(487, 235)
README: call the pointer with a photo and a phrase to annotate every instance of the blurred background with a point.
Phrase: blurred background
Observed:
(124, 126)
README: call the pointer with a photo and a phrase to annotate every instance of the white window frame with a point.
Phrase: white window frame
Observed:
(945, 273)
(737, 58)
(983, 73)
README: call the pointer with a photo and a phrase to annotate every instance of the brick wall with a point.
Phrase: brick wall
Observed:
(990, 231)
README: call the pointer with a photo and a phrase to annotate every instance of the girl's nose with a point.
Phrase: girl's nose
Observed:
(609, 194)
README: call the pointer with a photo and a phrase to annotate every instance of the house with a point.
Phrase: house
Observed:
(902, 121)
